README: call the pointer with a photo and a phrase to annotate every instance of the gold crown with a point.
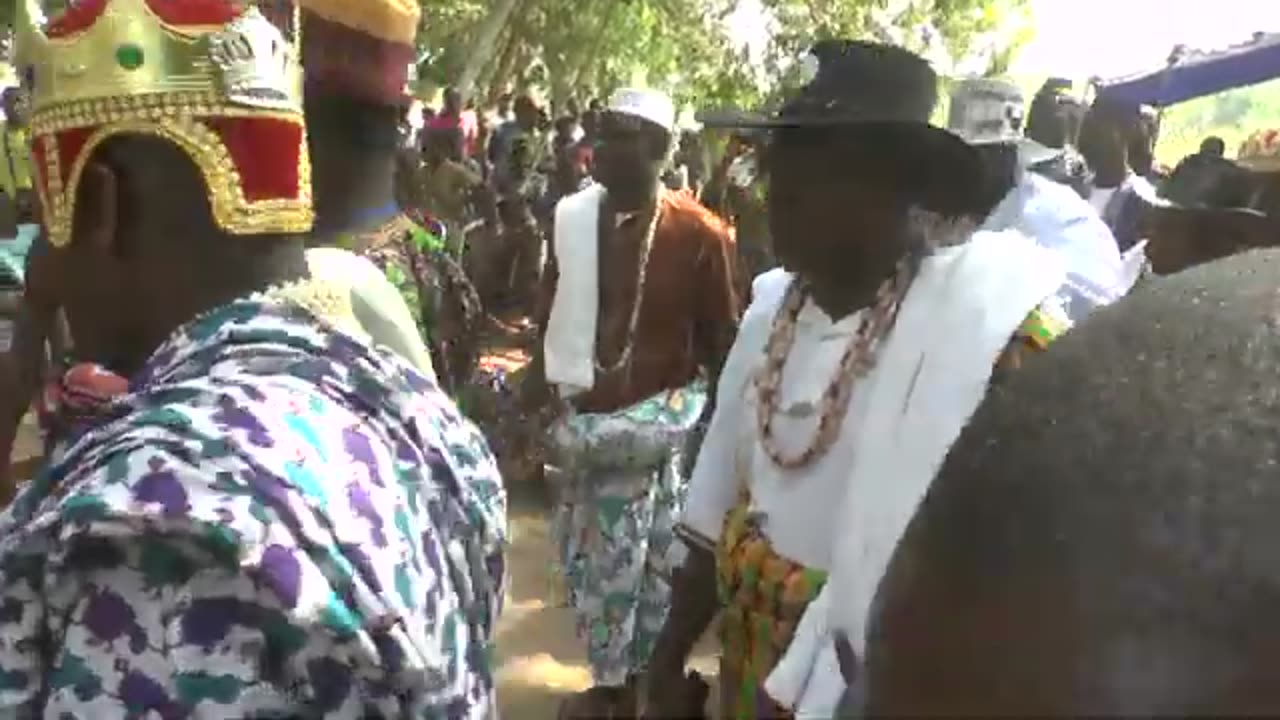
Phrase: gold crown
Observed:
(120, 66)
(130, 56)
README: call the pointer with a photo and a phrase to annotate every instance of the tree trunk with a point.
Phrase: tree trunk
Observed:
(485, 43)
(510, 52)
(485, 82)
(589, 58)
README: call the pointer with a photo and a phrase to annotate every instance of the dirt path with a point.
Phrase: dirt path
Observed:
(541, 659)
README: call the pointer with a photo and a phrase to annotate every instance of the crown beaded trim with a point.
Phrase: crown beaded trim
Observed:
(216, 79)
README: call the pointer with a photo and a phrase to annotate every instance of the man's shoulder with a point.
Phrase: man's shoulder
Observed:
(202, 430)
(1052, 209)
(1054, 190)
(694, 221)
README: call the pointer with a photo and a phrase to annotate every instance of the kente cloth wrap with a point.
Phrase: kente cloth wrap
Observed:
(763, 596)
(275, 521)
(614, 526)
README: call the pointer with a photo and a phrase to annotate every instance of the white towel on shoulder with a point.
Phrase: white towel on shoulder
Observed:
(570, 343)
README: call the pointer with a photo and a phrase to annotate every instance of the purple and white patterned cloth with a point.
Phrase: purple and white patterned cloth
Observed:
(275, 521)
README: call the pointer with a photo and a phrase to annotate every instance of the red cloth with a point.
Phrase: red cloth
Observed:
(466, 122)
(80, 396)
(337, 60)
(583, 157)
(266, 152)
(82, 15)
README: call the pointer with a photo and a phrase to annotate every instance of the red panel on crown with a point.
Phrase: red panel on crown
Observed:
(83, 14)
(197, 12)
(266, 152)
(80, 16)
(37, 162)
(70, 143)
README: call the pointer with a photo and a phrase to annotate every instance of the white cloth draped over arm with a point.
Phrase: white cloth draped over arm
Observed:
(962, 310)
(377, 305)
(1057, 218)
(570, 343)
(714, 486)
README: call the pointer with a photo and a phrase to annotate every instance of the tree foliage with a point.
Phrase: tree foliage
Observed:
(564, 48)
(568, 47)
(1230, 115)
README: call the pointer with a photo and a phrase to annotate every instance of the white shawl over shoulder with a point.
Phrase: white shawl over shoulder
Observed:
(570, 343)
(932, 373)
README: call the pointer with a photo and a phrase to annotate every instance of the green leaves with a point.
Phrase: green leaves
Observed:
(1230, 115)
(568, 48)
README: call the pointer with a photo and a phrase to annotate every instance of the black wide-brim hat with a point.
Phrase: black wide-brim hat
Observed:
(887, 92)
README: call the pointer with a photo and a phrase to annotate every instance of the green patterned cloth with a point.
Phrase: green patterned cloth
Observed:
(443, 301)
(615, 523)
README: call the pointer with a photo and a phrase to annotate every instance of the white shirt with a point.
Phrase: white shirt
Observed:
(1099, 198)
(1057, 218)
(933, 370)
(797, 504)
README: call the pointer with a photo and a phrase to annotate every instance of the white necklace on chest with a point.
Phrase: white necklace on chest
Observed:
(642, 271)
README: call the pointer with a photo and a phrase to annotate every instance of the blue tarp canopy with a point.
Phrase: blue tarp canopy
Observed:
(1197, 74)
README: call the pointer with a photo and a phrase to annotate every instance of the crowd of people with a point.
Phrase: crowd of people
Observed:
(907, 408)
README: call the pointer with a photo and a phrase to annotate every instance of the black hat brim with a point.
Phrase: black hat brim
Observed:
(733, 119)
(947, 172)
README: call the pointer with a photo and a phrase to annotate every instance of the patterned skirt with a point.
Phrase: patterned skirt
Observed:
(620, 493)
(763, 596)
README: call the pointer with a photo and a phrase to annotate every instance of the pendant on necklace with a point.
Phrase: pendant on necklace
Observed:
(757, 519)
(801, 409)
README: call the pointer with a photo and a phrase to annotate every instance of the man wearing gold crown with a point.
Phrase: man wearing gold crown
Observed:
(275, 519)
(356, 58)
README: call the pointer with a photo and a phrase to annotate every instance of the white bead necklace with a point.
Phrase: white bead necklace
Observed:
(624, 358)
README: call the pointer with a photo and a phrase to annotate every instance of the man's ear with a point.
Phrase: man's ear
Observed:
(97, 220)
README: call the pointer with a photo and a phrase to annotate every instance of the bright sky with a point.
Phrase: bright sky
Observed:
(1108, 38)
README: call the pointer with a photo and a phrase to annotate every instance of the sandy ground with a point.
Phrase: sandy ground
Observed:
(540, 658)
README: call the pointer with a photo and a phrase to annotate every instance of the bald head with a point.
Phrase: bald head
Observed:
(1102, 539)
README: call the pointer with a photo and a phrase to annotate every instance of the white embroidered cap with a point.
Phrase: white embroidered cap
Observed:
(651, 105)
(992, 111)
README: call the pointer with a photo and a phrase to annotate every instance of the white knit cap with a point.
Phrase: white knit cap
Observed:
(992, 111)
(651, 105)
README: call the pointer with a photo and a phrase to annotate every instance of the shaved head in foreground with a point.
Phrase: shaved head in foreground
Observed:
(1104, 539)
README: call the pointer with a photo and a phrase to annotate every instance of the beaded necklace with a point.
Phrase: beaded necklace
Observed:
(858, 359)
(624, 358)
